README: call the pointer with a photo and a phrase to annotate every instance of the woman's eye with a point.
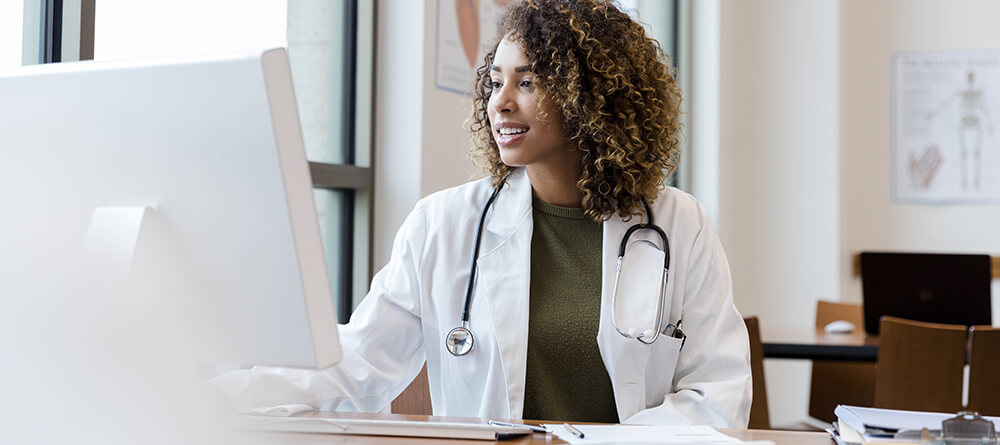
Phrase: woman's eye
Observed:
(527, 84)
(494, 84)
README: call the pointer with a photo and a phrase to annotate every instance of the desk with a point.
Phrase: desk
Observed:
(264, 438)
(817, 344)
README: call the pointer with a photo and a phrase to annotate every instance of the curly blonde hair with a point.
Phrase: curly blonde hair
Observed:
(618, 97)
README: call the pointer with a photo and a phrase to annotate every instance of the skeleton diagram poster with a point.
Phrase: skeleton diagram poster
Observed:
(945, 116)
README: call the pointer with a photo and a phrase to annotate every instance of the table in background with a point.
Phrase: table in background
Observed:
(265, 438)
(816, 344)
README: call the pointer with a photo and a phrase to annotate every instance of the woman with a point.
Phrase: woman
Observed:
(576, 121)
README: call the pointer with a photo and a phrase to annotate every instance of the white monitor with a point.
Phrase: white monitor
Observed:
(171, 194)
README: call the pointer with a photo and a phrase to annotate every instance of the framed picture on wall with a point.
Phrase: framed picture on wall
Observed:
(464, 30)
(946, 127)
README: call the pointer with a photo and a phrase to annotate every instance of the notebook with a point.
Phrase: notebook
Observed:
(931, 287)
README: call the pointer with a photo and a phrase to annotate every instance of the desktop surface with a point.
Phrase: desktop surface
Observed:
(268, 438)
(817, 344)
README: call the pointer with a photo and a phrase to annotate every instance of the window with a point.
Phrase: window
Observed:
(127, 28)
(665, 21)
(11, 20)
(330, 47)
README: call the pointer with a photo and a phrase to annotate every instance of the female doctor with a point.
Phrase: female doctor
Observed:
(576, 122)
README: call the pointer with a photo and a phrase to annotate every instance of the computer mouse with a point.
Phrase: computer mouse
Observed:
(839, 327)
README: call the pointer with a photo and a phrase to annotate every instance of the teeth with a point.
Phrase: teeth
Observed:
(509, 131)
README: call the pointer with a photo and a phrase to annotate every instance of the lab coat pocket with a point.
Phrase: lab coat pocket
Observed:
(661, 367)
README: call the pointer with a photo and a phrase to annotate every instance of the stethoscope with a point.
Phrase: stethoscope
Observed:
(460, 340)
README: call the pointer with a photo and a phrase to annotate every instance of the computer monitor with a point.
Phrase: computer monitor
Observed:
(931, 287)
(169, 192)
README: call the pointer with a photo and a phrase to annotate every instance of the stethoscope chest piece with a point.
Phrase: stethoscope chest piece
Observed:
(459, 341)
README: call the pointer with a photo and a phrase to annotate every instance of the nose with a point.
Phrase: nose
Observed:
(502, 100)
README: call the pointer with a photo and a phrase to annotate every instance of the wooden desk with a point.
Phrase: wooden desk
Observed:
(266, 438)
(816, 344)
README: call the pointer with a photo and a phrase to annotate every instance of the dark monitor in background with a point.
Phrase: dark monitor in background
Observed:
(931, 287)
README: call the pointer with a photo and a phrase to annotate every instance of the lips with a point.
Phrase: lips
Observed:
(508, 133)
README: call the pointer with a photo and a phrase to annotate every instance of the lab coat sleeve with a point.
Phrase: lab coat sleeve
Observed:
(382, 345)
(711, 383)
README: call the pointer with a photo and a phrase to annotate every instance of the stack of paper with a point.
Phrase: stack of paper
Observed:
(857, 425)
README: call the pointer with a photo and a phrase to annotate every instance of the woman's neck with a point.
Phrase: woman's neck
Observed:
(556, 184)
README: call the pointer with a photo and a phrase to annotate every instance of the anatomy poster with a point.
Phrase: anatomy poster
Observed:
(464, 29)
(945, 113)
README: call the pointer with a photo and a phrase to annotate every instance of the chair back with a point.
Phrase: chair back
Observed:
(984, 369)
(828, 311)
(839, 383)
(920, 365)
(416, 398)
(759, 418)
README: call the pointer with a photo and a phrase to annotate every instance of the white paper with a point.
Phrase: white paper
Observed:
(861, 418)
(624, 434)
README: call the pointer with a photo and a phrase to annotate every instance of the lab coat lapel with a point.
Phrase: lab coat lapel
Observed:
(504, 280)
(624, 358)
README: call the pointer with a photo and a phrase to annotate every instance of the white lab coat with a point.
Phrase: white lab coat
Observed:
(418, 297)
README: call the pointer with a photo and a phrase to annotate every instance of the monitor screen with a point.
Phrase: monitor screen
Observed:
(930, 287)
(156, 219)
(181, 182)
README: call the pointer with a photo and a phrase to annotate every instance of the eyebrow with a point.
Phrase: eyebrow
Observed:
(519, 69)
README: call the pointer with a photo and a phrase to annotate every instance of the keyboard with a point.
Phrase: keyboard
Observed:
(380, 427)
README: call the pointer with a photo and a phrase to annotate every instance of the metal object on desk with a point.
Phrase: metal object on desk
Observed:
(968, 428)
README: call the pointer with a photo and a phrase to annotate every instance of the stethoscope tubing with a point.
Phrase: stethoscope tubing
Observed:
(464, 330)
(665, 247)
(475, 255)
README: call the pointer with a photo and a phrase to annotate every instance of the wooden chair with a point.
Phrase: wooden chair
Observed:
(416, 398)
(984, 367)
(759, 418)
(839, 383)
(920, 365)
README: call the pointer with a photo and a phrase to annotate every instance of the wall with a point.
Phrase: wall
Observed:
(779, 170)
(805, 155)
(870, 33)
(420, 144)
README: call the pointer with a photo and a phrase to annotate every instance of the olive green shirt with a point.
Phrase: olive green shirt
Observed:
(566, 379)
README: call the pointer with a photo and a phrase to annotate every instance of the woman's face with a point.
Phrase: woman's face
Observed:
(524, 139)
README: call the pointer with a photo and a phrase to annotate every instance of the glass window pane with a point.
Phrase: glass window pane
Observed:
(129, 28)
(11, 28)
(330, 210)
(315, 51)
